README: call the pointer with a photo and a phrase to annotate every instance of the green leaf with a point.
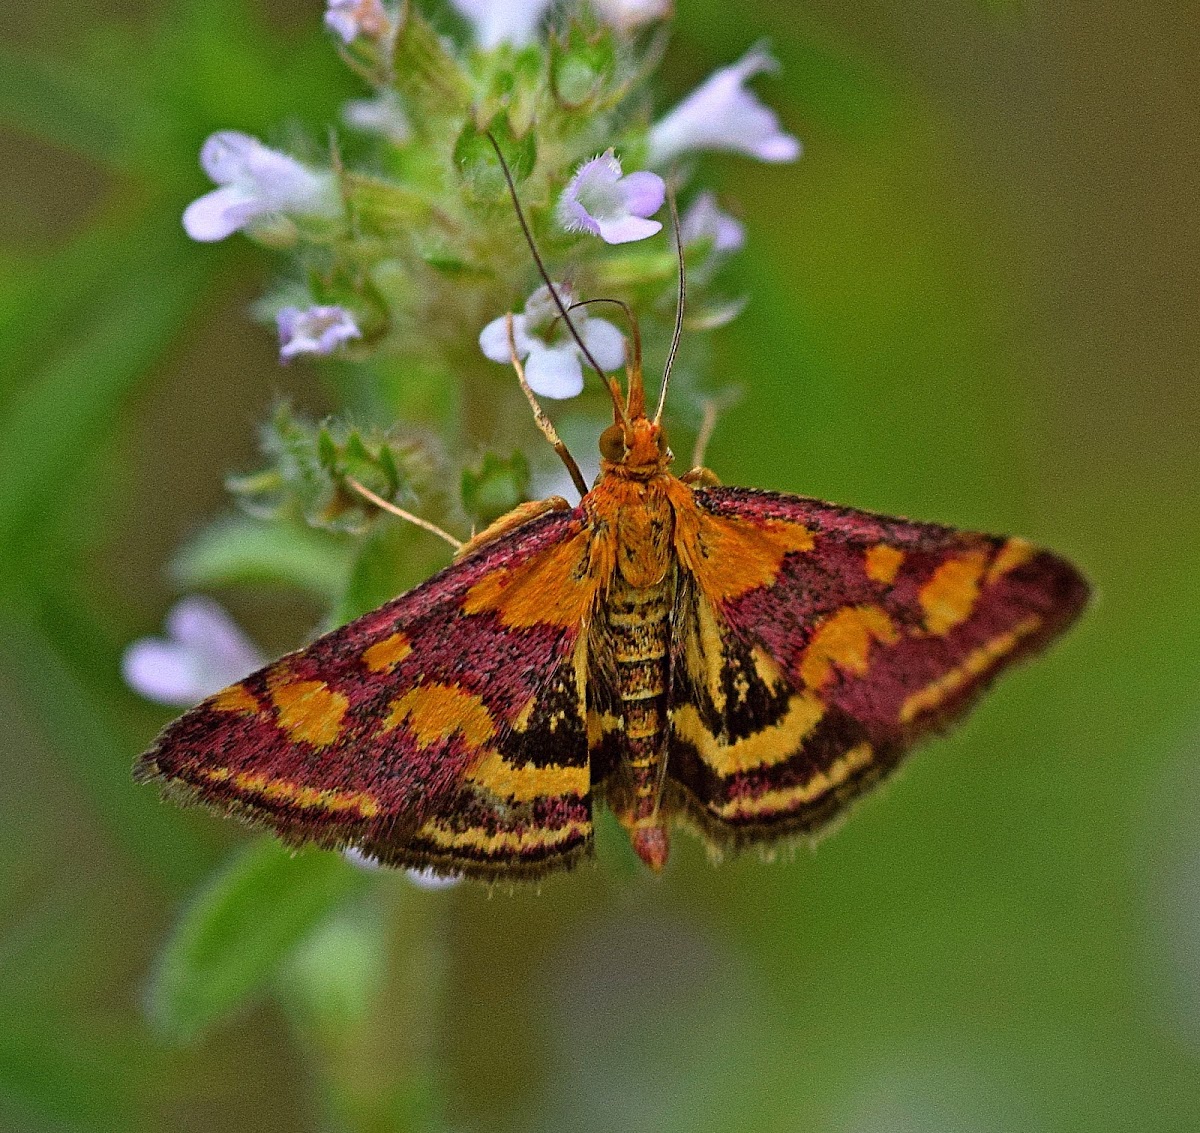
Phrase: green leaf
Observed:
(338, 974)
(71, 406)
(239, 929)
(244, 551)
(64, 289)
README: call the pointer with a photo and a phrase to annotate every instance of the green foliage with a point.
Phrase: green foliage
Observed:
(495, 486)
(240, 551)
(311, 467)
(239, 928)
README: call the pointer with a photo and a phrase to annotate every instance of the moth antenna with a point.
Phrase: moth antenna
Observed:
(680, 298)
(539, 414)
(386, 505)
(610, 382)
(635, 406)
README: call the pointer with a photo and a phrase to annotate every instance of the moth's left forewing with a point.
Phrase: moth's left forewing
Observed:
(822, 642)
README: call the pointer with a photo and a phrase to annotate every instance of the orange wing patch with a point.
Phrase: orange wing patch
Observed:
(309, 711)
(952, 591)
(883, 563)
(521, 598)
(237, 699)
(731, 557)
(844, 640)
(1014, 553)
(434, 712)
(385, 655)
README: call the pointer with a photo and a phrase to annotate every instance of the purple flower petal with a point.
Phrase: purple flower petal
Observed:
(503, 21)
(575, 218)
(383, 115)
(201, 625)
(605, 343)
(361, 860)
(722, 114)
(427, 879)
(705, 220)
(627, 229)
(541, 311)
(599, 200)
(226, 155)
(317, 330)
(204, 652)
(493, 339)
(163, 672)
(221, 213)
(553, 364)
(555, 371)
(255, 181)
(644, 192)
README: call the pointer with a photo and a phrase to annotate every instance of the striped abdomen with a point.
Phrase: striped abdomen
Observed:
(639, 632)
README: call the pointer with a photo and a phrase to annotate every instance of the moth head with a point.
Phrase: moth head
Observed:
(638, 446)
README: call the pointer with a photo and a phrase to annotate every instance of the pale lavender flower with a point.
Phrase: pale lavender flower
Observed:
(255, 182)
(723, 114)
(552, 357)
(599, 200)
(382, 115)
(427, 879)
(203, 652)
(503, 21)
(314, 330)
(705, 220)
(421, 878)
(626, 15)
(348, 19)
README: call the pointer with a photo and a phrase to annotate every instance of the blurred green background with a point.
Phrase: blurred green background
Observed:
(973, 300)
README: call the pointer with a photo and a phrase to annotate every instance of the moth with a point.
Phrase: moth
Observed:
(740, 662)
(743, 663)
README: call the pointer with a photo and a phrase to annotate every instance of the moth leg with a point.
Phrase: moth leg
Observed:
(701, 478)
(539, 416)
(707, 425)
(416, 520)
(511, 520)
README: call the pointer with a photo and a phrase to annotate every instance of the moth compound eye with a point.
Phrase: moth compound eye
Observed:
(662, 443)
(612, 443)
